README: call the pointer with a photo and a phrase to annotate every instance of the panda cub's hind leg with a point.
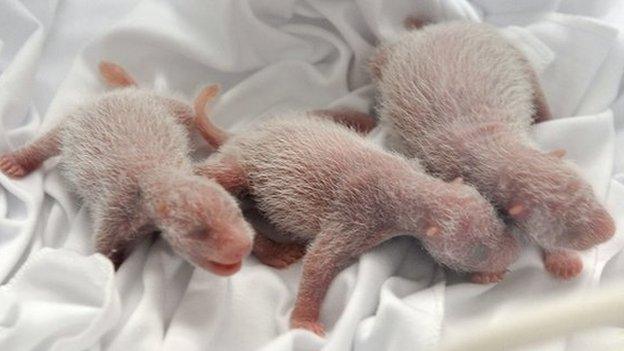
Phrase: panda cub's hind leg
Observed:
(265, 248)
(562, 264)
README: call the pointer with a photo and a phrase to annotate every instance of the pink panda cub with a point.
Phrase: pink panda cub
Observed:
(462, 99)
(126, 154)
(324, 187)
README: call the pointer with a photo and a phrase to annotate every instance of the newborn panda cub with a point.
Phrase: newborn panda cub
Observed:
(461, 98)
(126, 154)
(322, 185)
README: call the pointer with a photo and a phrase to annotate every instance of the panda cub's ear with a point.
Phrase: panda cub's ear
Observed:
(114, 75)
(558, 153)
(517, 211)
(432, 231)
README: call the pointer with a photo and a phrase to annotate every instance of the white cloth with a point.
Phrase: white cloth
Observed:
(271, 55)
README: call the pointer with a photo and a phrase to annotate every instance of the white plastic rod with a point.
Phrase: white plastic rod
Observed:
(538, 322)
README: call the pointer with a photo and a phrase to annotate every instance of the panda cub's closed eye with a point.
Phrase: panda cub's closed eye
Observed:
(199, 232)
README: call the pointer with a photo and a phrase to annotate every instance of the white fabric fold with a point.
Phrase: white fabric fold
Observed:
(59, 300)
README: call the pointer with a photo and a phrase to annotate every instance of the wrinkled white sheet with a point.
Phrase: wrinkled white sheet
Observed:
(271, 55)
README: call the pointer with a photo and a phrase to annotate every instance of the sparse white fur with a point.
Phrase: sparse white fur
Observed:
(322, 184)
(461, 98)
(126, 154)
(101, 136)
(306, 173)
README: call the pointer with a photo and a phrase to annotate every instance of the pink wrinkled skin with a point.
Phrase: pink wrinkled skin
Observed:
(126, 154)
(462, 99)
(321, 184)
